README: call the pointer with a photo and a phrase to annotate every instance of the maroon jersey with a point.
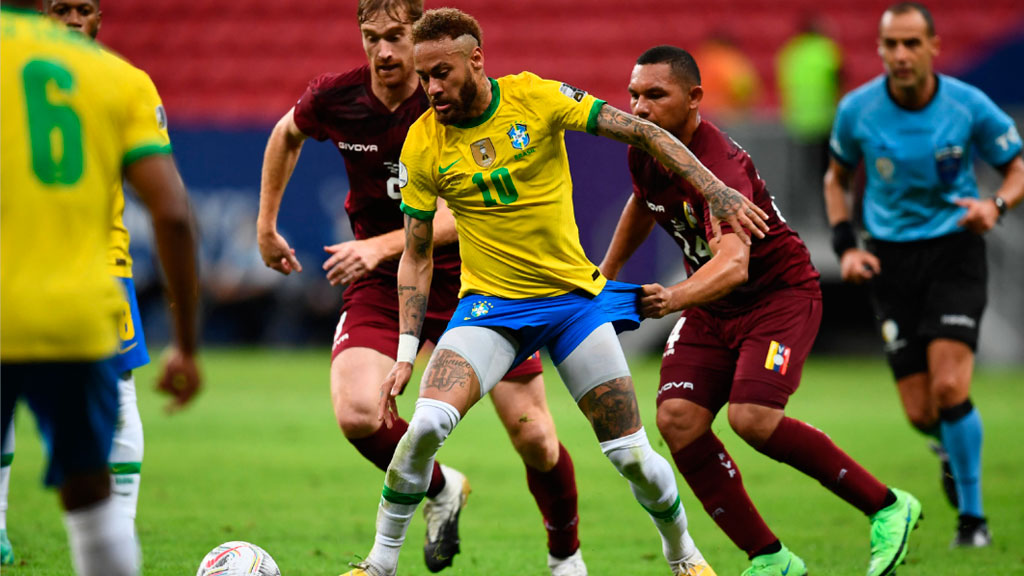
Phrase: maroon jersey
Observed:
(343, 109)
(778, 261)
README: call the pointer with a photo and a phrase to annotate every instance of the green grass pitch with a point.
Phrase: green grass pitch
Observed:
(258, 457)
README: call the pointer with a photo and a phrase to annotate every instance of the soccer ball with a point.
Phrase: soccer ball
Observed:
(238, 559)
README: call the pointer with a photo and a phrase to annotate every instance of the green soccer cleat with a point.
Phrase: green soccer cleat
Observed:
(781, 563)
(6, 550)
(890, 533)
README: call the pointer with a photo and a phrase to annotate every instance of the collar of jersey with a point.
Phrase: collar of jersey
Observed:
(495, 100)
(19, 9)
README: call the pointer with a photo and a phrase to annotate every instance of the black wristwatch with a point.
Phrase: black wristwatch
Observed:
(1000, 205)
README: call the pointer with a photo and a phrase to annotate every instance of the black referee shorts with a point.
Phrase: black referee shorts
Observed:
(928, 289)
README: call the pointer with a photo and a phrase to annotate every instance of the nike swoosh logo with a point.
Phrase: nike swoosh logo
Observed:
(443, 169)
(121, 350)
(788, 564)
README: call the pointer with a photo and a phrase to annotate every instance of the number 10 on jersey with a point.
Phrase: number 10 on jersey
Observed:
(503, 185)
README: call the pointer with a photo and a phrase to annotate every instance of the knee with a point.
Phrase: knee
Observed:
(681, 422)
(357, 423)
(431, 424)
(950, 388)
(755, 424)
(536, 444)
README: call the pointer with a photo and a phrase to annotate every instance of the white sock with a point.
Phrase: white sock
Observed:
(7, 456)
(102, 540)
(654, 486)
(407, 478)
(126, 451)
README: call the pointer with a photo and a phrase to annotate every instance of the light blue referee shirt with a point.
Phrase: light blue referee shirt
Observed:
(919, 161)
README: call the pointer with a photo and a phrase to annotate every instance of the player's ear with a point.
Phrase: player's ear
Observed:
(696, 95)
(476, 59)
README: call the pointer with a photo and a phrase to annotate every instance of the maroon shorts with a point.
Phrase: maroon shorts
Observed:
(369, 319)
(753, 358)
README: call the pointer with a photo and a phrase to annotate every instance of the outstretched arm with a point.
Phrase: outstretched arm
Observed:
(635, 225)
(415, 271)
(350, 261)
(279, 161)
(726, 204)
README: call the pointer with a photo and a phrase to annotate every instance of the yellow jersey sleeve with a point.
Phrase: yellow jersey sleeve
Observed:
(417, 167)
(567, 107)
(144, 134)
(145, 129)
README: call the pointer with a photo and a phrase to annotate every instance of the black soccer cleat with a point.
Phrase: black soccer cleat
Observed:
(971, 532)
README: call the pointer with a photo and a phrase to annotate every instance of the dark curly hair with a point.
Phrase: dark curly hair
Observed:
(446, 23)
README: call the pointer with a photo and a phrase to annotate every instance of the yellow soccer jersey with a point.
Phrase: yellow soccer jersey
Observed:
(69, 124)
(152, 119)
(505, 176)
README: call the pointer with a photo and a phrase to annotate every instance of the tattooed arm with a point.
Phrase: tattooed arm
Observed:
(726, 204)
(415, 271)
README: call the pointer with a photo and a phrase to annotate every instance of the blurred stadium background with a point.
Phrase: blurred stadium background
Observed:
(228, 70)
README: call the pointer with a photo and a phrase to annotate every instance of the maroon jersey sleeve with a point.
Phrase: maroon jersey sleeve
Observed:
(306, 113)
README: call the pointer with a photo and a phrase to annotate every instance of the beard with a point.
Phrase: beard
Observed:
(460, 110)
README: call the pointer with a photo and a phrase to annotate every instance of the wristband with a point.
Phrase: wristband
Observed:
(843, 238)
(408, 346)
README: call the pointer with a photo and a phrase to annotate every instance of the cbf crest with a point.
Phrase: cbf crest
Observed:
(518, 135)
(480, 308)
(483, 152)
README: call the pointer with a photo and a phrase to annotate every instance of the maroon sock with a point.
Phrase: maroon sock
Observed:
(379, 448)
(555, 493)
(812, 452)
(715, 480)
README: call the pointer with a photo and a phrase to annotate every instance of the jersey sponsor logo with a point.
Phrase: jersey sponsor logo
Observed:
(777, 359)
(655, 207)
(443, 169)
(518, 135)
(948, 161)
(357, 147)
(670, 385)
(483, 152)
(161, 117)
(958, 320)
(572, 92)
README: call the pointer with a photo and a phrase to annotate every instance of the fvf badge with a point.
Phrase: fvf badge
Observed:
(518, 135)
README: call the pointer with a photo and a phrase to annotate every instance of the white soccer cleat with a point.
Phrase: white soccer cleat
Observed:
(695, 565)
(571, 566)
(442, 516)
